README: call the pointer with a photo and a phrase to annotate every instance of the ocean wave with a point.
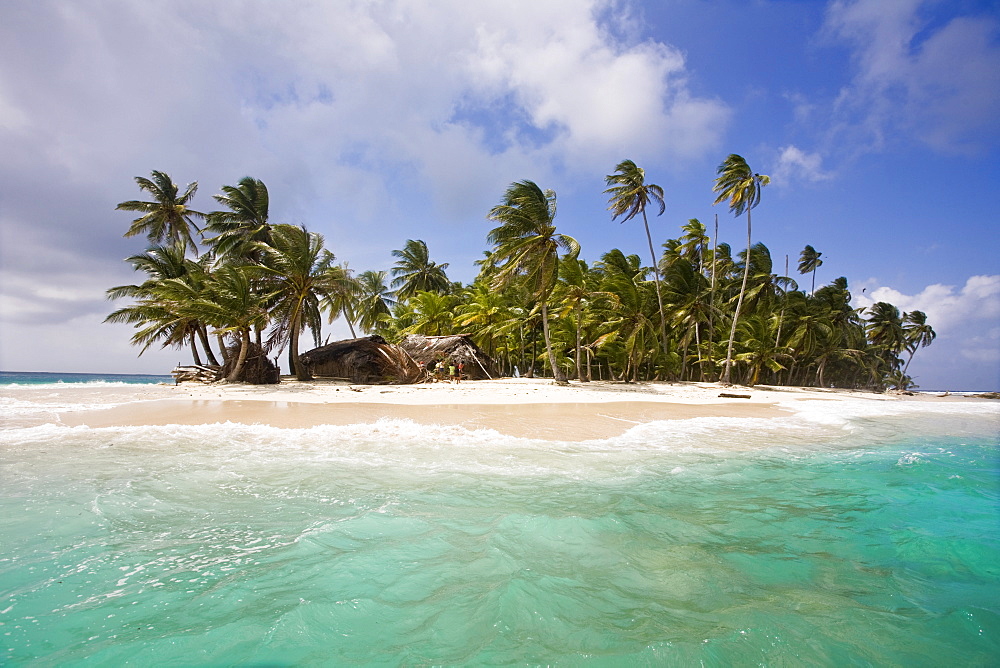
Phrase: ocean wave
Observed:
(845, 412)
(93, 384)
(12, 407)
(409, 449)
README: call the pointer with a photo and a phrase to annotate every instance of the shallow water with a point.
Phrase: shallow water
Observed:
(852, 533)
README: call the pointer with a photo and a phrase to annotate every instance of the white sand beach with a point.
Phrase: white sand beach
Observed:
(524, 407)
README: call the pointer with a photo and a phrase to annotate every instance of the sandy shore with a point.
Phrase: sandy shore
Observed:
(517, 407)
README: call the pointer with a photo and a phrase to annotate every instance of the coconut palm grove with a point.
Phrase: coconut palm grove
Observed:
(228, 281)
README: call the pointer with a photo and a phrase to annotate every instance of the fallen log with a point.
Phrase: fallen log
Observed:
(729, 395)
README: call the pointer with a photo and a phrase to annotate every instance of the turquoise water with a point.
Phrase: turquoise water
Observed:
(45, 378)
(870, 539)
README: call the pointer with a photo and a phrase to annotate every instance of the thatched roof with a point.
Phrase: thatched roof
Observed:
(368, 360)
(451, 349)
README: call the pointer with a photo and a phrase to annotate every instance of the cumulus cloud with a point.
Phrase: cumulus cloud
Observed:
(939, 83)
(966, 317)
(324, 98)
(366, 120)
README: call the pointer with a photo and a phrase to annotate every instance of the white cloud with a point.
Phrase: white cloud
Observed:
(983, 349)
(366, 120)
(938, 83)
(967, 322)
(796, 164)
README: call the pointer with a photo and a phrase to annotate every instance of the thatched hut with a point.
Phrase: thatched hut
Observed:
(451, 350)
(369, 360)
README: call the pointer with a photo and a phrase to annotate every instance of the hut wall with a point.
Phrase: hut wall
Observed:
(368, 360)
(451, 350)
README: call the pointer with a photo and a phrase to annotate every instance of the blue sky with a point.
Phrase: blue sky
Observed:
(378, 122)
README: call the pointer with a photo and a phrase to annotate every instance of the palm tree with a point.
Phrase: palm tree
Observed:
(244, 224)
(342, 294)
(809, 262)
(296, 267)
(628, 303)
(740, 185)
(686, 292)
(917, 332)
(156, 311)
(158, 317)
(630, 194)
(169, 216)
(414, 271)
(884, 328)
(375, 300)
(575, 291)
(694, 243)
(487, 313)
(234, 305)
(527, 248)
(760, 351)
(433, 314)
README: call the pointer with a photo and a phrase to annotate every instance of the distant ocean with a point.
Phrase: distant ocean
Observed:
(45, 378)
(850, 533)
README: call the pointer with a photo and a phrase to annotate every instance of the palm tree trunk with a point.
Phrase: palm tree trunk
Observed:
(557, 373)
(579, 326)
(739, 305)
(656, 277)
(242, 358)
(343, 309)
(298, 368)
(534, 355)
(697, 343)
(194, 349)
(711, 312)
(781, 316)
(203, 335)
(912, 353)
(222, 347)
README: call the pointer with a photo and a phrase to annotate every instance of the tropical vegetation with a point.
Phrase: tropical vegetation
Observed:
(693, 312)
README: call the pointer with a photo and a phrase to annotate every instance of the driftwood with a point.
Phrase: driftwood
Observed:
(195, 373)
(728, 395)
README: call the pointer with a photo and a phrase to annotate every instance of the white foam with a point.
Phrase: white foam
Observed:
(844, 411)
(90, 384)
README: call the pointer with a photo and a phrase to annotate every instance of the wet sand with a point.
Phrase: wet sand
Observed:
(549, 421)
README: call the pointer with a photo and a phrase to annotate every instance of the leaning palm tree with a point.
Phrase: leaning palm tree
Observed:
(630, 194)
(884, 328)
(168, 218)
(414, 272)
(917, 332)
(234, 304)
(740, 185)
(296, 268)
(244, 224)
(526, 247)
(809, 262)
(171, 278)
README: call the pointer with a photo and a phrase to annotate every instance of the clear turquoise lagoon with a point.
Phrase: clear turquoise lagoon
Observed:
(847, 534)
